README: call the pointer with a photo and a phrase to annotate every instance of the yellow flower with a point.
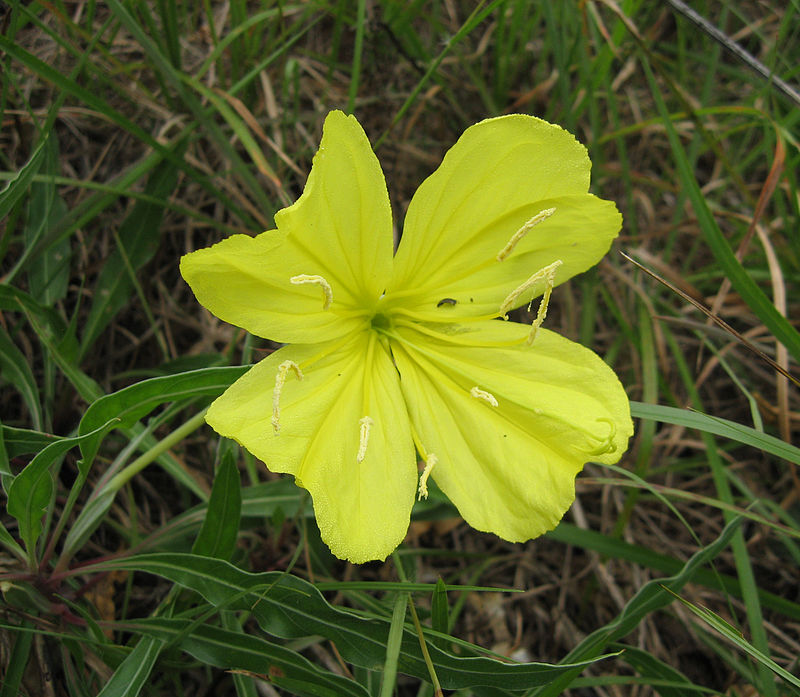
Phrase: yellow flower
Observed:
(388, 355)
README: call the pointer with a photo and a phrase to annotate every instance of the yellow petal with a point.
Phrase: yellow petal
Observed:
(343, 220)
(578, 234)
(362, 508)
(499, 176)
(510, 468)
(322, 272)
(247, 281)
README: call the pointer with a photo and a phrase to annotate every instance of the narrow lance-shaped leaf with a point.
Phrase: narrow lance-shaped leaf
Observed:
(136, 401)
(32, 488)
(290, 608)
(132, 674)
(15, 369)
(278, 665)
(217, 537)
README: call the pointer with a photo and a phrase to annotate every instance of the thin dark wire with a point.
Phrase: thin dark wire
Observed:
(734, 48)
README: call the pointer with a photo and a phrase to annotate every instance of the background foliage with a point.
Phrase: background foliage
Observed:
(141, 555)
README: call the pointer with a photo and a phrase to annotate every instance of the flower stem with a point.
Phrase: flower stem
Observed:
(123, 477)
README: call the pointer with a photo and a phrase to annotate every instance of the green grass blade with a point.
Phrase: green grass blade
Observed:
(718, 427)
(735, 636)
(393, 645)
(48, 273)
(755, 298)
(18, 185)
(137, 241)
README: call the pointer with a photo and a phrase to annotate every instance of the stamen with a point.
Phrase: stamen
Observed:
(280, 379)
(547, 274)
(482, 394)
(320, 281)
(524, 230)
(365, 424)
(430, 462)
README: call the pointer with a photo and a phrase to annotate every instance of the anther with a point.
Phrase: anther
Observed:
(524, 230)
(318, 280)
(430, 462)
(547, 274)
(365, 424)
(478, 393)
(280, 379)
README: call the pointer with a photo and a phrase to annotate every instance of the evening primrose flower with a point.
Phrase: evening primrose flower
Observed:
(393, 358)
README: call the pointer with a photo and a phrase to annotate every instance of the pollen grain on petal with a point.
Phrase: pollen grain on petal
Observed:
(478, 393)
(365, 425)
(524, 230)
(280, 379)
(317, 280)
(430, 462)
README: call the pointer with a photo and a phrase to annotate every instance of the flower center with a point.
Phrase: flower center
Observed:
(381, 322)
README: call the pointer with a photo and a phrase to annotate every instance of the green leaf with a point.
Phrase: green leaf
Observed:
(6, 475)
(32, 488)
(57, 338)
(651, 597)
(22, 441)
(290, 608)
(10, 543)
(137, 243)
(231, 650)
(132, 403)
(217, 537)
(132, 674)
(14, 368)
(18, 659)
